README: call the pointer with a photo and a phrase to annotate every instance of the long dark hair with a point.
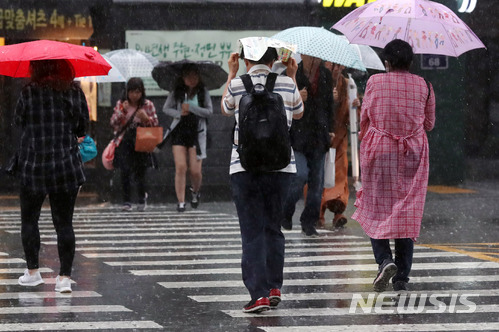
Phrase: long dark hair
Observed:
(56, 74)
(135, 83)
(181, 89)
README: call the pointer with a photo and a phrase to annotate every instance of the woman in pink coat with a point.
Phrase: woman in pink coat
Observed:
(397, 110)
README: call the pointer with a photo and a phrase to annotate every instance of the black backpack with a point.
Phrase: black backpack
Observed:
(264, 142)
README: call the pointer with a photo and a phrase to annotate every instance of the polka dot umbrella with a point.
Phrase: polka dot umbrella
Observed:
(322, 44)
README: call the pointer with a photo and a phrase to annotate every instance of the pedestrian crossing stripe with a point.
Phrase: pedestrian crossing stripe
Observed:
(156, 234)
(443, 293)
(305, 247)
(301, 259)
(238, 283)
(47, 281)
(479, 326)
(474, 254)
(315, 312)
(184, 240)
(322, 268)
(11, 260)
(68, 326)
(221, 251)
(62, 308)
(21, 270)
(47, 295)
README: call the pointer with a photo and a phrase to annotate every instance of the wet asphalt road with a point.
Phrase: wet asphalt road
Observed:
(164, 271)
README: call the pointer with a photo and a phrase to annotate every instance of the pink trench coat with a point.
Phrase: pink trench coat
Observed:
(397, 111)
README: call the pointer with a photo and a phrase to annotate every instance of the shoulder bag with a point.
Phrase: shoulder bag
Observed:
(108, 153)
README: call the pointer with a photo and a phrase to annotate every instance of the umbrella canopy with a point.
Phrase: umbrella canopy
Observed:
(166, 73)
(114, 75)
(15, 58)
(429, 27)
(132, 63)
(323, 44)
(367, 55)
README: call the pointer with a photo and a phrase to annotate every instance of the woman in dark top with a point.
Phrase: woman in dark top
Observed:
(52, 113)
(189, 105)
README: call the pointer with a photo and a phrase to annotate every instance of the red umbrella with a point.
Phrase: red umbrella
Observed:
(15, 58)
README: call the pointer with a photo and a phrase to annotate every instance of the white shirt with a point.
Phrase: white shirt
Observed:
(292, 103)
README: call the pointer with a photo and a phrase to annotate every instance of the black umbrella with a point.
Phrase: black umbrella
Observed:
(166, 73)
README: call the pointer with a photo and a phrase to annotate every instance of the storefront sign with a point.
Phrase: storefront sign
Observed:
(195, 45)
(345, 3)
(433, 61)
(41, 21)
(467, 6)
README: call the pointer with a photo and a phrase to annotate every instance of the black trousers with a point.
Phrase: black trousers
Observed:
(62, 208)
(404, 249)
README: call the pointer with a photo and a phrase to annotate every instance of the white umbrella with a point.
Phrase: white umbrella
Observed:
(354, 131)
(132, 63)
(114, 75)
(368, 56)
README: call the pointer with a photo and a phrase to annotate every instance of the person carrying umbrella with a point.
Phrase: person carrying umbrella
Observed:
(51, 112)
(189, 105)
(131, 111)
(311, 137)
(397, 110)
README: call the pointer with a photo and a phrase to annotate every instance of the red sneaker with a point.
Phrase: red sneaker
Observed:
(257, 306)
(274, 297)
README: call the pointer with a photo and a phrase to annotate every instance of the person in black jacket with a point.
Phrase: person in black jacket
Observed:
(311, 137)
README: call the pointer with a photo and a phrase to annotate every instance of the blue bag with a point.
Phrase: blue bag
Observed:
(88, 149)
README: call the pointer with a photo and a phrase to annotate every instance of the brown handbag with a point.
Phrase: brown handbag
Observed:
(148, 138)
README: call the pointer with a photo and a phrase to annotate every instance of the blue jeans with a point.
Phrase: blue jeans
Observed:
(258, 199)
(404, 249)
(310, 171)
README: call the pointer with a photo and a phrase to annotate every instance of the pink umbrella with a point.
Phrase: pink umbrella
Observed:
(430, 27)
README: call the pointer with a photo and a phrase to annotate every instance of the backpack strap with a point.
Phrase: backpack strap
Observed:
(271, 78)
(248, 83)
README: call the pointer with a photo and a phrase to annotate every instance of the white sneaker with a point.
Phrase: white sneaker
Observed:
(30, 280)
(63, 285)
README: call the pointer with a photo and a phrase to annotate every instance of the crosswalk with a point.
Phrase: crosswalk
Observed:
(196, 256)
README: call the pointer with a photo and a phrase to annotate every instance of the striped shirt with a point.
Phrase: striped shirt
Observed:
(292, 103)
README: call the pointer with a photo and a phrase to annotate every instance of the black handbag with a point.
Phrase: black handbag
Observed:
(11, 167)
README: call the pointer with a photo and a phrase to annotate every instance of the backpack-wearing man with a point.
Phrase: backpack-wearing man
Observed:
(258, 196)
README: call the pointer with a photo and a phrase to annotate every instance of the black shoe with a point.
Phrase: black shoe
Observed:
(310, 232)
(287, 224)
(386, 271)
(399, 286)
(181, 207)
(195, 198)
(339, 221)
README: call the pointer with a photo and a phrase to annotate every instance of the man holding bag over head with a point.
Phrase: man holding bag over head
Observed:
(258, 196)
